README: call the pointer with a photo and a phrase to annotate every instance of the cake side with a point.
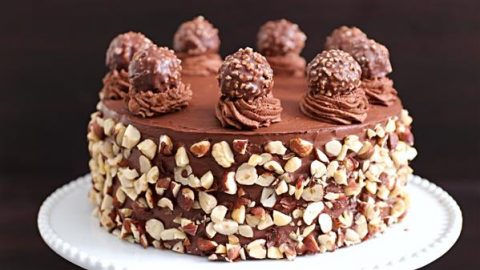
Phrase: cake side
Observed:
(232, 198)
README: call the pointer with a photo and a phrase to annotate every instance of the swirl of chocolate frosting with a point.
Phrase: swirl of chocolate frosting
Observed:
(239, 113)
(118, 57)
(115, 85)
(341, 109)
(281, 42)
(148, 103)
(246, 82)
(380, 91)
(333, 80)
(196, 43)
(200, 65)
(156, 85)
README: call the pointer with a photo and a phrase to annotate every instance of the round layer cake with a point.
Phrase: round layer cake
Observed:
(171, 170)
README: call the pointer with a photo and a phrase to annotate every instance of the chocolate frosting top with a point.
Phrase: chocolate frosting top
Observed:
(280, 37)
(197, 121)
(196, 37)
(123, 47)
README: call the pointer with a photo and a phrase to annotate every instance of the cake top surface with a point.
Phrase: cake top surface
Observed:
(199, 116)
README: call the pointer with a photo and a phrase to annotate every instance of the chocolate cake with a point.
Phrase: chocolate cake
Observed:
(259, 156)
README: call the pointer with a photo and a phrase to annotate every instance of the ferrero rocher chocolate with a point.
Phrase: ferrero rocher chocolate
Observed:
(333, 79)
(373, 57)
(344, 37)
(281, 42)
(333, 71)
(155, 69)
(280, 38)
(246, 81)
(196, 37)
(156, 85)
(196, 43)
(118, 57)
(245, 74)
(123, 47)
(374, 60)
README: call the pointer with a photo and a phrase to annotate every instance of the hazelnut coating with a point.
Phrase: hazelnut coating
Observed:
(196, 37)
(344, 37)
(155, 69)
(279, 38)
(123, 47)
(373, 57)
(245, 75)
(332, 72)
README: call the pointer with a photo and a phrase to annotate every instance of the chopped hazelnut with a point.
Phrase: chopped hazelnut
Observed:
(200, 149)
(222, 154)
(301, 147)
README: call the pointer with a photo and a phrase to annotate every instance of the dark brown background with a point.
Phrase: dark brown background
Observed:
(52, 62)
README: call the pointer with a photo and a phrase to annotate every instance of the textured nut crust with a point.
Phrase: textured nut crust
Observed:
(299, 199)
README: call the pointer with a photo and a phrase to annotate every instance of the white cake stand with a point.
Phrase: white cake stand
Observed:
(430, 229)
